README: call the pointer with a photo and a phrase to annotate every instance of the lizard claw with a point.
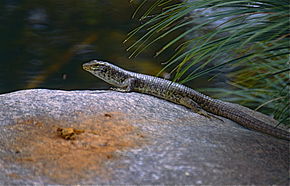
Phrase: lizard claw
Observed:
(208, 115)
(118, 89)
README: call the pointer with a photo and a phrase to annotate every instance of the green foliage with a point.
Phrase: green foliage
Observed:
(250, 37)
(262, 85)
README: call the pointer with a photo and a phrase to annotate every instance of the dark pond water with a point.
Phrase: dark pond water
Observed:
(44, 42)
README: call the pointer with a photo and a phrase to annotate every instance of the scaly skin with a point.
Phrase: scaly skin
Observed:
(180, 94)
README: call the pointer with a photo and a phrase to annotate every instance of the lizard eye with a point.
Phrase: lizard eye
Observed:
(96, 67)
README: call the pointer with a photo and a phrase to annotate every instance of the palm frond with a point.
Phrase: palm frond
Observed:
(250, 36)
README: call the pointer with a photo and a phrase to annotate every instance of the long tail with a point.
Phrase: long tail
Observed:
(248, 118)
(258, 125)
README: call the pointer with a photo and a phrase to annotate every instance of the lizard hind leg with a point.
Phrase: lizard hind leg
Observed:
(196, 108)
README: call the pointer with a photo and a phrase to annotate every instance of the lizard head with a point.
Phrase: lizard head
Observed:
(105, 71)
(97, 67)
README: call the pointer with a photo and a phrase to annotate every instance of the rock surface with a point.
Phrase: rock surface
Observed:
(106, 137)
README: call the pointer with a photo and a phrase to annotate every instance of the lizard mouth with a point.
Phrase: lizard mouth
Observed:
(86, 66)
(92, 65)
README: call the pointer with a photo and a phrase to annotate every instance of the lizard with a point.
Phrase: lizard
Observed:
(127, 81)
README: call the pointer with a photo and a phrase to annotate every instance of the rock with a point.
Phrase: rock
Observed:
(107, 137)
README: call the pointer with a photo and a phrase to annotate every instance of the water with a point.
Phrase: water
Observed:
(44, 43)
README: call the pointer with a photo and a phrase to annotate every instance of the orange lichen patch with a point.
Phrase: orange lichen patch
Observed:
(68, 133)
(46, 147)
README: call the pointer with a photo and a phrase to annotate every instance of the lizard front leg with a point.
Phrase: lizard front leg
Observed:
(125, 86)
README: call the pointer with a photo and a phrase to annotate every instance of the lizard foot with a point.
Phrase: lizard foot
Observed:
(119, 89)
(208, 115)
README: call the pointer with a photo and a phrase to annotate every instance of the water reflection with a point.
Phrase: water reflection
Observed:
(44, 43)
